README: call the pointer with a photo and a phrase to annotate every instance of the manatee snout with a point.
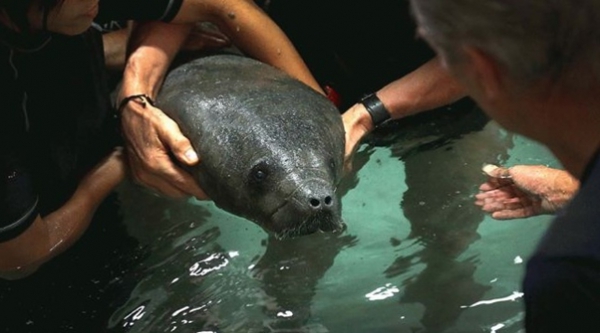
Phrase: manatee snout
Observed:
(318, 197)
(313, 207)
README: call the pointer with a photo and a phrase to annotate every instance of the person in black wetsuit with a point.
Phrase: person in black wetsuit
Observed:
(59, 143)
(533, 67)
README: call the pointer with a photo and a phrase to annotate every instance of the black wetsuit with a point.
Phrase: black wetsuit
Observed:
(562, 282)
(56, 120)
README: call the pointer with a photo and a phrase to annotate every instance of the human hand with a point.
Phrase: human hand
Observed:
(357, 124)
(524, 191)
(205, 37)
(151, 137)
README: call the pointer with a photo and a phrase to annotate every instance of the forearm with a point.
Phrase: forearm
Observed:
(152, 47)
(426, 88)
(115, 48)
(57, 231)
(252, 31)
(275, 49)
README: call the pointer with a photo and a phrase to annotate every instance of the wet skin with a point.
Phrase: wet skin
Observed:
(271, 148)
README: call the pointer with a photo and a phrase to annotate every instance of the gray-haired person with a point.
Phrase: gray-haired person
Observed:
(534, 67)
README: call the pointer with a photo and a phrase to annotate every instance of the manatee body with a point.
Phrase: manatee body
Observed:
(271, 148)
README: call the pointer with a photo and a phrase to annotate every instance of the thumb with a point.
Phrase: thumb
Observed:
(179, 145)
(495, 171)
(184, 152)
(498, 176)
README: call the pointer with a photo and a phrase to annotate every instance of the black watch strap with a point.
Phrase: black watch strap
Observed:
(376, 109)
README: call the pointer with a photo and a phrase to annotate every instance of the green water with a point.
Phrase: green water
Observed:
(417, 255)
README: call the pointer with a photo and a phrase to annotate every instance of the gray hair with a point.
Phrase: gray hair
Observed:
(531, 39)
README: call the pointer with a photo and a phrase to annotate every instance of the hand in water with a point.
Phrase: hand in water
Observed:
(525, 190)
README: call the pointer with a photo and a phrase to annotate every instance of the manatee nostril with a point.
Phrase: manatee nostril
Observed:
(315, 203)
(326, 202)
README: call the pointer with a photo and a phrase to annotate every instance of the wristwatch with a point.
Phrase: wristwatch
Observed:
(376, 109)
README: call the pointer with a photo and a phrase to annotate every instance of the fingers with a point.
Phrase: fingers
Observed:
(489, 186)
(165, 177)
(513, 208)
(347, 166)
(351, 147)
(355, 129)
(151, 135)
(203, 41)
(493, 200)
(491, 206)
(204, 38)
(508, 202)
(510, 214)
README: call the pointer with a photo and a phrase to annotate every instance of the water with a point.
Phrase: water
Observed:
(417, 256)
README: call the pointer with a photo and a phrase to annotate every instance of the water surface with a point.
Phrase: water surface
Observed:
(417, 255)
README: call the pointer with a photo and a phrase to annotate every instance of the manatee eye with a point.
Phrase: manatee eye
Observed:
(259, 175)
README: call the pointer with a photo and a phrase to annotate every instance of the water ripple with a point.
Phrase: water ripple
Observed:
(214, 262)
(384, 292)
(511, 298)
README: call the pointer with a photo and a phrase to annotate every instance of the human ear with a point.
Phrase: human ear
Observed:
(486, 71)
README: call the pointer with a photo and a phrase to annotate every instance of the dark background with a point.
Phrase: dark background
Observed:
(356, 47)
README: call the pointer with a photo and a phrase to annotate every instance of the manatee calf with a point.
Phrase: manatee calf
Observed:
(271, 148)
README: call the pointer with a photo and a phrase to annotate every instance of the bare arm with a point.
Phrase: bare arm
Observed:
(252, 31)
(54, 233)
(428, 87)
(149, 133)
(115, 45)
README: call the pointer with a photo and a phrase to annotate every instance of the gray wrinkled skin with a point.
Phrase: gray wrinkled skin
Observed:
(271, 148)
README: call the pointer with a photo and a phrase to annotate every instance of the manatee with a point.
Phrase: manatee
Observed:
(271, 148)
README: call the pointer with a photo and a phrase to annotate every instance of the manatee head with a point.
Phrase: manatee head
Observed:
(271, 148)
(282, 173)
(295, 194)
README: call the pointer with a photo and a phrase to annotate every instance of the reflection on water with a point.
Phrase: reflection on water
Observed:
(290, 271)
(417, 256)
(441, 175)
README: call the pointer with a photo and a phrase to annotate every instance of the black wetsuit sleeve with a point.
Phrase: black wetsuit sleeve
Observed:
(18, 199)
(138, 10)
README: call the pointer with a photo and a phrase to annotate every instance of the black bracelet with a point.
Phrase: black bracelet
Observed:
(376, 109)
(143, 99)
